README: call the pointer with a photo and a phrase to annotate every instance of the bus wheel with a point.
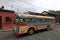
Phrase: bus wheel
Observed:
(48, 27)
(31, 31)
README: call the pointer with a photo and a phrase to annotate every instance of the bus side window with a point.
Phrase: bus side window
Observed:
(34, 20)
(51, 20)
(38, 20)
(30, 20)
(44, 20)
(48, 20)
(41, 20)
(26, 20)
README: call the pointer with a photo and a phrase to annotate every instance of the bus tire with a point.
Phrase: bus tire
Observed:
(31, 31)
(48, 28)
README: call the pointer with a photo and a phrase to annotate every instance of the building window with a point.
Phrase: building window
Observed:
(8, 19)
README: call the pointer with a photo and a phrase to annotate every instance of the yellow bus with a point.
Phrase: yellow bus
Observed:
(31, 23)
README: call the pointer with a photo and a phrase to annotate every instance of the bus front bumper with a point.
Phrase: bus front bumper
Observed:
(15, 34)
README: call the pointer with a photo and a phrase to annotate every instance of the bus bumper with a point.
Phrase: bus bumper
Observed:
(15, 34)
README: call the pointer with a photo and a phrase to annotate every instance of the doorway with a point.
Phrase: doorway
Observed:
(0, 22)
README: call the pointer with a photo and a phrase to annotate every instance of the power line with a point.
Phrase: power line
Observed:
(32, 4)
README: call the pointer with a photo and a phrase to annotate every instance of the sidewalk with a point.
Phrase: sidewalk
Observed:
(6, 30)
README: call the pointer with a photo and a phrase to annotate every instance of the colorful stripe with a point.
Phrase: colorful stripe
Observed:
(22, 25)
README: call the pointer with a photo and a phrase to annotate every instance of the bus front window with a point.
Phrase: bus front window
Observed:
(21, 20)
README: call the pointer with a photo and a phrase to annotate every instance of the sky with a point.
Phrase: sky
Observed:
(30, 5)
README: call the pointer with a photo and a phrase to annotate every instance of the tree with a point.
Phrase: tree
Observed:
(55, 13)
(2, 7)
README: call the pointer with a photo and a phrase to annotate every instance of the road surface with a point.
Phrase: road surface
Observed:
(41, 35)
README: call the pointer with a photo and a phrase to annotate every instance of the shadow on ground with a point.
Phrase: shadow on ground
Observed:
(25, 35)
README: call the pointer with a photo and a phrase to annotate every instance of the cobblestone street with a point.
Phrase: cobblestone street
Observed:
(41, 35)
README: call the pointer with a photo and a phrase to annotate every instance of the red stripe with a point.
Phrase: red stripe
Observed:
(23, 24)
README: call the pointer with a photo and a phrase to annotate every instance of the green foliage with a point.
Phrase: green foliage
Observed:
(58, 12)
(54, 12)
(2, 7)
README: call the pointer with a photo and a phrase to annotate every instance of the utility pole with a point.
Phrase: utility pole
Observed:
(18, 10)
(57, 20)
(11, 7)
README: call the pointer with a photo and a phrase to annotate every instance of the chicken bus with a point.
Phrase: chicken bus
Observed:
(26, 23)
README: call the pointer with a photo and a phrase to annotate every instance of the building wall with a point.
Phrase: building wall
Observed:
(4, 15)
